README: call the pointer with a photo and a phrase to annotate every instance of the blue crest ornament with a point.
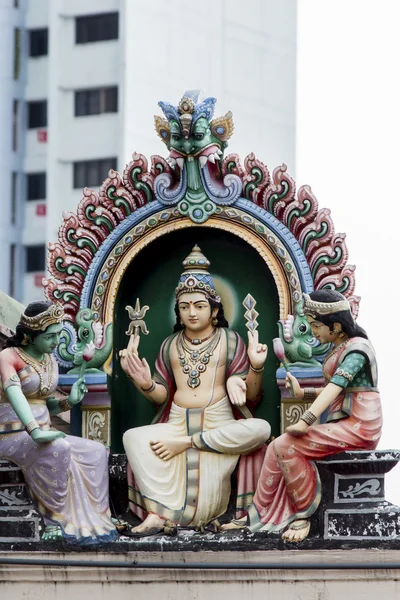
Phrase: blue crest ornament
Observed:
(169, 110)
(204, 109)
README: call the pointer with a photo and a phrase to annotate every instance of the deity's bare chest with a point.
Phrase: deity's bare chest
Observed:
(197, 362)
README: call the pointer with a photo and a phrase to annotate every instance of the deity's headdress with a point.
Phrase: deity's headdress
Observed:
(195, 277)
(188, 111)
(52, 315)
(315, 308)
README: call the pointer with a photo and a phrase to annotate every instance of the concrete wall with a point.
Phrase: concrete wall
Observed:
(56, 583)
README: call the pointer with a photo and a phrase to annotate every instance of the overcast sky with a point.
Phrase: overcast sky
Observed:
(348, 126)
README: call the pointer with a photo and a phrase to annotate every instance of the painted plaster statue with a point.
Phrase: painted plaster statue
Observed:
(298, 341)
(196, 143)
(73, 342)
(289, 488)
(182, 463)
(67, 476)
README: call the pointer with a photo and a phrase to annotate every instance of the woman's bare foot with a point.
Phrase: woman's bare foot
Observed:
(167, 449)
(235, 524)
(151, 522)
(297, 531)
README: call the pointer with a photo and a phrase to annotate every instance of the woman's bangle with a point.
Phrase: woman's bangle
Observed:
(308, 417)
(150, 389)
(32, 425)
(260, 370)
(310, 393)
(64, 405)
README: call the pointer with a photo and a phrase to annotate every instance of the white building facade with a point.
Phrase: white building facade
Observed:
(80, 85)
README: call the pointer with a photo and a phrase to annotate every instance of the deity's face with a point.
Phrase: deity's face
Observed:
(195, 311)
(46, 342)
(200, 138)
(322, 332)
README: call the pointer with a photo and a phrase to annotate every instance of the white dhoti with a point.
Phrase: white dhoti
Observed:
(193, 487)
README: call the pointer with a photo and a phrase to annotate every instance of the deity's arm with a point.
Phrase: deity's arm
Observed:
(153, 391)
(253, 383)
(12, 387)
(325, 398)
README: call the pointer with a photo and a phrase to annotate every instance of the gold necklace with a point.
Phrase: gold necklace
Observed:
(194, 361)
(334, 350)
(40, 367)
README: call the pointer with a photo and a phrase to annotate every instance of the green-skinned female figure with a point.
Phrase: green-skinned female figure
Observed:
(67, 476)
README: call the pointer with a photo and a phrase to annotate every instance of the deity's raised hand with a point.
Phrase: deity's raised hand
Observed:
(137, 369)
(256, 351)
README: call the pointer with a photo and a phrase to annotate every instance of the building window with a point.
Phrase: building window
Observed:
(13, 250)
(38, 42)
(35, 258)
(96, 28)
(91, 173)
(14, 183)
(37, 114)
(36, 186)
(96, 101)
(17, 52)
(15, 126)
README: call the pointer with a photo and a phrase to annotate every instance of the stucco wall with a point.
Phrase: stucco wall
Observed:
(60, 583)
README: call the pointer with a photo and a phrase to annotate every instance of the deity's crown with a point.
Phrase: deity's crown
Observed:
(195, 277)
(52, 315)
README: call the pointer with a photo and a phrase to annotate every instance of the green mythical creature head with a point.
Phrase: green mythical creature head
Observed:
(190, 133)
(301, 347)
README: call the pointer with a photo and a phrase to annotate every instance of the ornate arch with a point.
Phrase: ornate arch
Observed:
(296, 239)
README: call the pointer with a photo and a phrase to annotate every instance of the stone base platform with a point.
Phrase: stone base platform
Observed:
(353, 513)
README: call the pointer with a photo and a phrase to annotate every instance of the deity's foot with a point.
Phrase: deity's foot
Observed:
(235, 524)
(297, 531)
(52, 533)
(152, 525)
(167, 449)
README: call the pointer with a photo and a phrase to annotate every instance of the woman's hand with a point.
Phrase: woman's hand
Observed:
(298, 392)
(43, 437)
(136, 369)
(236, 389)
(78, 391)
(256, 351)
(298, 429)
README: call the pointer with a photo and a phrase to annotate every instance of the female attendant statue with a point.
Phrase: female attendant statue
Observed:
(67, 476)
(289, 488)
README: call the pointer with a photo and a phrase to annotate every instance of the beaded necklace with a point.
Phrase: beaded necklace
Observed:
(40, 367)
(194, 361)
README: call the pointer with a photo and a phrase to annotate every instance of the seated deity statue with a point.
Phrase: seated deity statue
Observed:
(67, 476)
(182, 463)
(289, 487)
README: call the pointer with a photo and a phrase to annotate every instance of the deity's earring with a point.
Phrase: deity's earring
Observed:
(25, 340)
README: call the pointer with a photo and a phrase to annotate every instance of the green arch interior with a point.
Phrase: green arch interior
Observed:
(152, 277)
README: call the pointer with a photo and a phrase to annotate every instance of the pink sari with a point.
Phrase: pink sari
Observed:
(289, 487)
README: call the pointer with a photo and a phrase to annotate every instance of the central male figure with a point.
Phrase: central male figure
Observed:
(182, 463)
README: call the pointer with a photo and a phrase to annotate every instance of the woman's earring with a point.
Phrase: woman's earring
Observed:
(25, 340)
(215, 321)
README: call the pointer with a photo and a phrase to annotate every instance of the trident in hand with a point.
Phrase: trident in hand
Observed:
(136, 326)
(137, 319)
